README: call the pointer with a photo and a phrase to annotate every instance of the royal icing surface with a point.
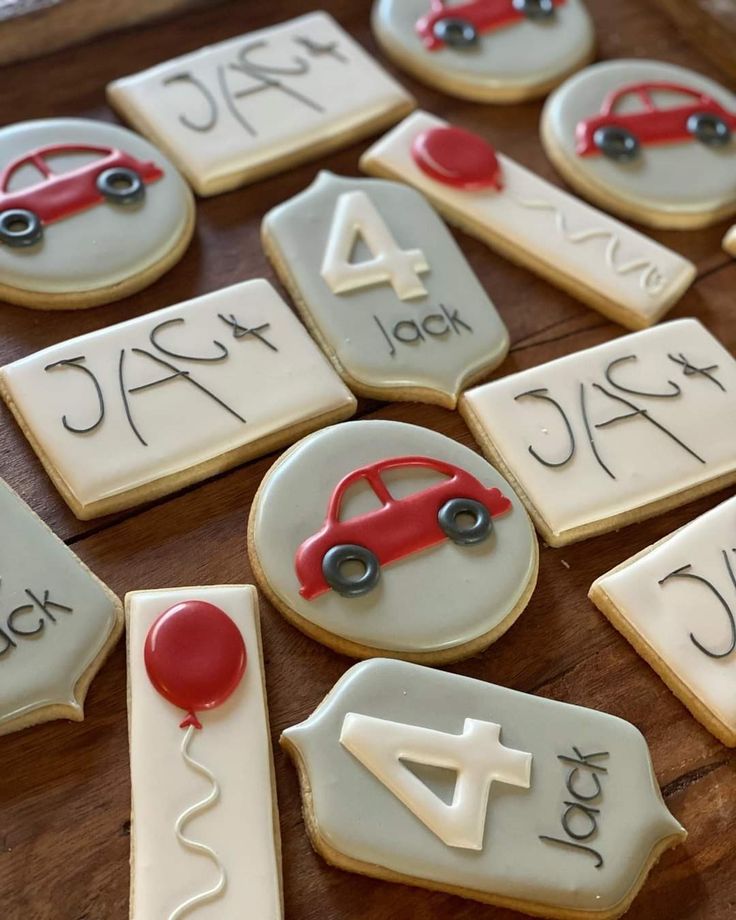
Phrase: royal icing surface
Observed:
(571, 815)
(224, 770)
(56, 618)
(249, 106)
(672, 173)
(506, 52)
(427, 574)
(679, 598)
(579, 245)
(85, 241)
(411, 314)
(123, 407)
(607, 431)
(729, 242)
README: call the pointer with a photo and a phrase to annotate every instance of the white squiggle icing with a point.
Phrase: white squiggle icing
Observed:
(184, 817)
(651, 278)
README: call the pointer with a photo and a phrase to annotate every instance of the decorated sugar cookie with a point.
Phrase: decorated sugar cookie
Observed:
(89, 213)
(623, 274)
(676, 603)
(537, 806)
(729, 241)
(251, 106)
(58, 622)
(136, 411)
(616, 433)
(648, 140)
(487, 50)
(381, 538)
(404, 319)
(204, 829)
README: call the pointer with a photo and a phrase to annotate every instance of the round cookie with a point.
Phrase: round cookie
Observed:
(382, 538)
(89, 213)
(488, 50)
(647, 140)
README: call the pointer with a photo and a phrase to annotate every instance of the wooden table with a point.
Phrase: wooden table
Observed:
(64, 788)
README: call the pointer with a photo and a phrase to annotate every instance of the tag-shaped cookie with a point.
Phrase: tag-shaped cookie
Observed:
(204, 829)
(58, 622)
(89, 212)
(364, 535)
(617, 271)
(418, 776)
(138, 410)
(676, 603)
(251, 106)
(487, 50)
(649, 140)
(616, 433)
(385, 289)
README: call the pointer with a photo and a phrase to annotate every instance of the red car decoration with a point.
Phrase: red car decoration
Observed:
(398, 528)
(115, 176)
(620, 136)
(460, 25)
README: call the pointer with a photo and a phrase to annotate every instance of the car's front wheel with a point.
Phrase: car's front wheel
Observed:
(535, 9)
(351, 570)
(20, 228)
(709, 129)
(456, 33)
(120, 185)
(616, 143)
(465, 521)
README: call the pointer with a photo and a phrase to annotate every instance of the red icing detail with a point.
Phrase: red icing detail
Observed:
(484, 15)
(60, 195)
(458, 158)
(652, 125)
(195, 657)
(397, 529)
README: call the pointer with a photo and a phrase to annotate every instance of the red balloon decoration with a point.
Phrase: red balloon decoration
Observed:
(195, 657)
(457, 158)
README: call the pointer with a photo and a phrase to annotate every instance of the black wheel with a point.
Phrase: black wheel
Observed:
(20, 228)
(336, 565)
(465, 521)
(616, 143)
(709, 129)
(121, 185)
(535, 9)
(457, 33)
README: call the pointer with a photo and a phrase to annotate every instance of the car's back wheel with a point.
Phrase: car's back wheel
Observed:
(457, 33)
(20, 228)
(535, 9)
(351, 570)
(617, 143)
(709, 129)
(120, 185)
(465, 521)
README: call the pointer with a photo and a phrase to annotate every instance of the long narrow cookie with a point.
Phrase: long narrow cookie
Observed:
(136, 411)
(204, 831)
(58, 622)
(613, 434)
(617, 271)
(418, 776)
(676, 604)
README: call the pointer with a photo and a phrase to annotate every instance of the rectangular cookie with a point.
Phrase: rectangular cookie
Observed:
(235, 833)
(135, 411)
(615, 433)
(254, 105)
(676, 604)
(623, 274)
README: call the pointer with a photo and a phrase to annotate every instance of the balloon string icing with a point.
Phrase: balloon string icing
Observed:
(194, 845)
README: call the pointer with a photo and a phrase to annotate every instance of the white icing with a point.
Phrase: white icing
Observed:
(272, 390)
(557, 229)
(667, 616)
(647, 463)
(356, 217)
(477, 756)
(729, 241)
(234, 110)
(235, 744)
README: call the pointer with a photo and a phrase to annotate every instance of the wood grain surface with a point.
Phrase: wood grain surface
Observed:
(64, 788)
